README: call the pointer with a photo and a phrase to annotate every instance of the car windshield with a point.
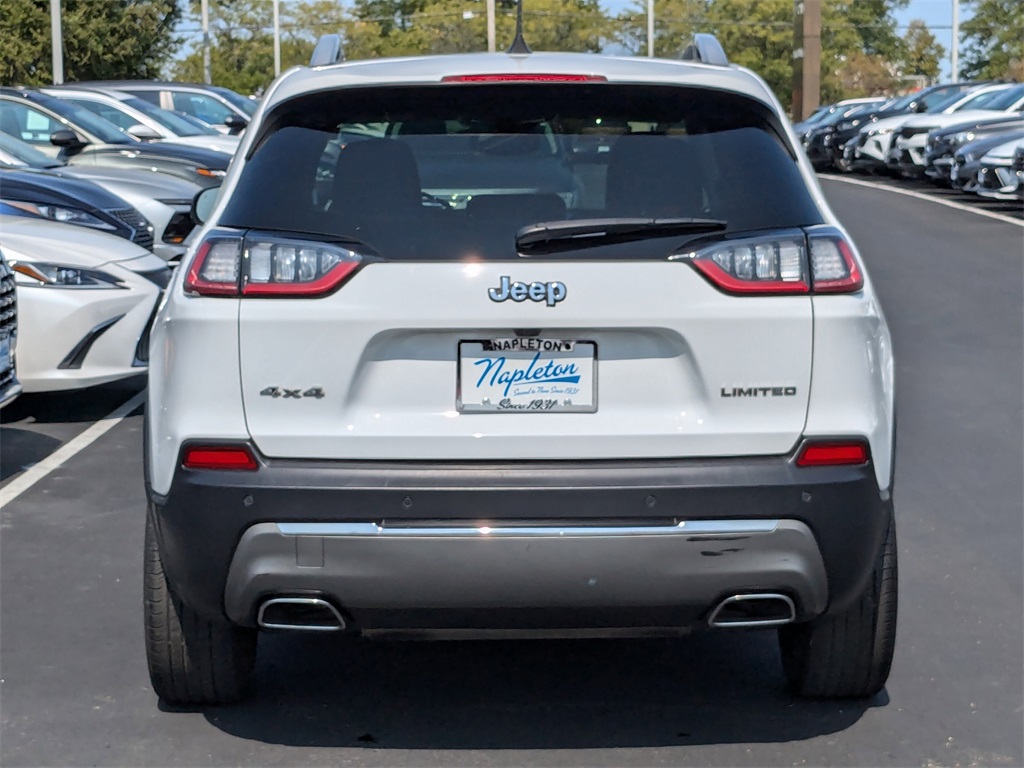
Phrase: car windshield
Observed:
(169, 120)
(979, 101)
(455, 171)
(84, 120)
(16, 152)
(1003, 100)
(246, 105)
(901, 103)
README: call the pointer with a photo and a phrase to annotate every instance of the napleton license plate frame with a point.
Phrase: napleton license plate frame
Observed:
(522, 348)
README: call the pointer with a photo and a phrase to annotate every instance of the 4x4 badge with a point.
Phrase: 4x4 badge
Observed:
(552, 293)
(293, 394)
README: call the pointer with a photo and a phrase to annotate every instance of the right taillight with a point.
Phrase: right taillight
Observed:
(833, 453)
(815, 260)
(230, 264)
(833, 267)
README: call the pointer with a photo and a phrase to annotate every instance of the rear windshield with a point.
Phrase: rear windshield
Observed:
(454, 171)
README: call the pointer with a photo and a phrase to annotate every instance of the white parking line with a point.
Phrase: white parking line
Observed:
(931, 198)
(37, 472)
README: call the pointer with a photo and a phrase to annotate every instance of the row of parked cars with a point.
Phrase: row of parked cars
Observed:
(968, 136)
(97, 183)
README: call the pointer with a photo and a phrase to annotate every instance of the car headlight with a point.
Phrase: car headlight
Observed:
(879, 131)
(64, 214)
(962, 138)
(41, 273)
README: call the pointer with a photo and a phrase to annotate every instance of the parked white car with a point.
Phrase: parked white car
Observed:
(911, 140)
(418, 383)
(165, 201)
(86, 301)
(877, 139)
(999, 178)
(142, 119)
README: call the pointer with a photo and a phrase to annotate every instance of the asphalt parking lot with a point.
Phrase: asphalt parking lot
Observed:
(74, 689)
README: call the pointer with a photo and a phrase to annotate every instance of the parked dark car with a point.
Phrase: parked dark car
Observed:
(79, 137)
(963, 173)
(943, 143)
(9, 386)
(818, 139)
(74, 201)
(841, 150)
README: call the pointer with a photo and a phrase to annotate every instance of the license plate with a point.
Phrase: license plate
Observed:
(527, 375)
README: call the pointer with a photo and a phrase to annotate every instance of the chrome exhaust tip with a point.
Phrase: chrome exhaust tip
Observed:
(766, 609)
(304, 614)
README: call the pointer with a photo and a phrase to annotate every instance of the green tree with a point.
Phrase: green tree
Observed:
(411, 27)
(103, 39)
(921, 52)
(242, 41)
(858, 38)
(675, 23)
(993, 40)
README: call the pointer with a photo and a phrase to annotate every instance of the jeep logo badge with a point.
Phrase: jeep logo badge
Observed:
(552, 293)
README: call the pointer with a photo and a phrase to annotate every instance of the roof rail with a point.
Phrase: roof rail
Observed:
(327, 51)
(706, 49)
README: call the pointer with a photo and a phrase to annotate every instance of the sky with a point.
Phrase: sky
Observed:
(938, 15)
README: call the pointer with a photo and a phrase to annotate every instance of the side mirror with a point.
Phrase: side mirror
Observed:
(920, 107)
(204, 203)
(144, 133)
(236, 123)
(66, 139)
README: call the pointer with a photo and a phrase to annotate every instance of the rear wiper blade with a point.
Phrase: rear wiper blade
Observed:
(560, 236)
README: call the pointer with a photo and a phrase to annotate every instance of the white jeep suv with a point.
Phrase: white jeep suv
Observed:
(529, 344)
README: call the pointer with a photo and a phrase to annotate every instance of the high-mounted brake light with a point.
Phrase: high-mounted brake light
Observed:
(254, 265)
(219, 457)
(833, 454)
(524, 78)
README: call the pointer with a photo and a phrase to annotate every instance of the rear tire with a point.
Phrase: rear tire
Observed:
(847, 655)
(192, 660)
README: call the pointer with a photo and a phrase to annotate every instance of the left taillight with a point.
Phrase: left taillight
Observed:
(268, 266)
(237, 457)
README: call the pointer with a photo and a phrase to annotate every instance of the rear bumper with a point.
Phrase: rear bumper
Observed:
(536, 577)
(568, 544)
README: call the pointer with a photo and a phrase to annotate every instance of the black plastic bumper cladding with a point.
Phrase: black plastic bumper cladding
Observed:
(202, 518)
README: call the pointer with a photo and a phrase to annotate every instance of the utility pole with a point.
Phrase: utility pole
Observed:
(806, 58)
(954, 48)
(277, 38)
(492, 45)
(205, 6)
(57, 42)
(650, 29)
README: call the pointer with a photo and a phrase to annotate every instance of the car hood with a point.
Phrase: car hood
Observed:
(980, 147)
(47, 187)
(1004, 151)
(989, 126)
(892, 123)
(199, 156)
(218, 143)
(944, 120)
(40, 239)
(121, 181)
